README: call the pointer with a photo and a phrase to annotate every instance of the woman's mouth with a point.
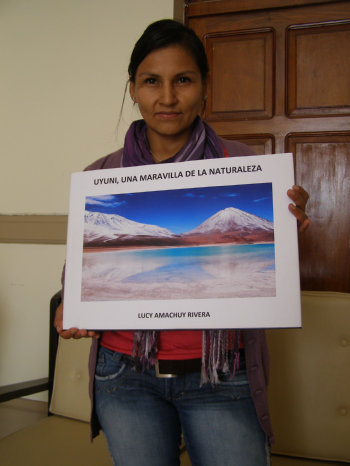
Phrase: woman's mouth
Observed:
(167, 115)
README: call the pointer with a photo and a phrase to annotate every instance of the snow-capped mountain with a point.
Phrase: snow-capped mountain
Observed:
(231, 220)
(229, 225)
(106, 227)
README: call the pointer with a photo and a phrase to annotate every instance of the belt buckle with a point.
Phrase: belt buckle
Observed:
(160, 375)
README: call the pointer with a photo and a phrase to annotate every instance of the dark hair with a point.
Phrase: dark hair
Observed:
(162, 34)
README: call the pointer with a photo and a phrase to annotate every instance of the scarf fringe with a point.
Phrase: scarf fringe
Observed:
(216, 353)
(217, 356)
(145, 348)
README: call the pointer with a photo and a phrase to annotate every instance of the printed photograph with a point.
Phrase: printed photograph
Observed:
(196, 243)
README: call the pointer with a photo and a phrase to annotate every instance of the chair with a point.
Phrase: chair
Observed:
(63, 438)
(309, 396)
(310, 385)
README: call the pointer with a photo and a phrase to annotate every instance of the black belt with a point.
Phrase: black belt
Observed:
(172, 368)
(168, 368)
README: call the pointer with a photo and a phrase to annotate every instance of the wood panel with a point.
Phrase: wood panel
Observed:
(261, 144)
(317, 86)
(279, 20)
(251, 61)
(325, 251)
(308, 83)
(211, 7)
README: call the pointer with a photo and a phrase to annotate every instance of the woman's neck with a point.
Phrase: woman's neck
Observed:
(165, 147)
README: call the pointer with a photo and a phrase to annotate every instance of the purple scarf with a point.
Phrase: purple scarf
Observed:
(217, 353)
(202, 144)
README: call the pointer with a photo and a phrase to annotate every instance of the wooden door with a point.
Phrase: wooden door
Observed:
(280, 82)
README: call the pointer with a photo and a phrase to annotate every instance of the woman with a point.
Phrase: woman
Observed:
(148, 387)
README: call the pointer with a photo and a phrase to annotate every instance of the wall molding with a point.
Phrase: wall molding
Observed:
(179, 10)
(33, 229)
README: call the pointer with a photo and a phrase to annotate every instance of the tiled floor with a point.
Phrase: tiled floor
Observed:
(20, 413)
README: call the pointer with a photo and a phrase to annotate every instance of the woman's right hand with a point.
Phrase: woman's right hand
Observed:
(72, 332)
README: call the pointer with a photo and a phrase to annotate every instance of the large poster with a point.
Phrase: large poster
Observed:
(204, 244)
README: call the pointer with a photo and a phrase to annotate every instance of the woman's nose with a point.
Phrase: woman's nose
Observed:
(168, 94)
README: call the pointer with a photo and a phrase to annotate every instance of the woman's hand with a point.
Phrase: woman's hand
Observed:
(300, 197)
(72, 332)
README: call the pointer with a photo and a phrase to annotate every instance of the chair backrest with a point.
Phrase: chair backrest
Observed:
(310, 380)
(70, 396)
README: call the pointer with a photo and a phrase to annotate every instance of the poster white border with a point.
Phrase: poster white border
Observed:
(281, 310)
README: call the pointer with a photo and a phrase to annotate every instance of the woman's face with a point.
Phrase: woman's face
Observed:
(169, 90)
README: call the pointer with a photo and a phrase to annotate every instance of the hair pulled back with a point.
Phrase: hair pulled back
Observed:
(165, 33)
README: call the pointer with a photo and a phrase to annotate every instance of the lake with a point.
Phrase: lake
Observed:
(197, 272)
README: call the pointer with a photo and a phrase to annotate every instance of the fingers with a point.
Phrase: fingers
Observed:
(77, 333)
(93, 334)
(304, 225)
(58, 322)
(82, 333)
(66, 334)
(300, 198)
(71, 332)
(302, 218)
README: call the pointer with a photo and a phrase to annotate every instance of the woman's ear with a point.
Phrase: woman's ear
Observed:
(132, 91)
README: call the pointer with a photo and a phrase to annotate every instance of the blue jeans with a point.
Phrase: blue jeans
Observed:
(142, 417)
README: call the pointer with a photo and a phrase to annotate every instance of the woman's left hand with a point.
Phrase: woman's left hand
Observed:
(300, 197)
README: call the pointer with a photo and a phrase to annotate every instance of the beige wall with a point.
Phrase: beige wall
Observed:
(63, 73)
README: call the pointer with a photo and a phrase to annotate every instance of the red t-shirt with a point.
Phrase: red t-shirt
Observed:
(172, 344)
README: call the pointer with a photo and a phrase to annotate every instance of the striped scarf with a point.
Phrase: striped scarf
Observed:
(220, 348)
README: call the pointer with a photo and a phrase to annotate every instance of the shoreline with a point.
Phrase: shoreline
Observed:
(142, 248)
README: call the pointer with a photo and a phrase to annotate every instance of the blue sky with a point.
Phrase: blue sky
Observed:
(181, 210)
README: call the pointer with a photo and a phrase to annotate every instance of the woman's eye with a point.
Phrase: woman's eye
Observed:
(183, 80)
(151, 81)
